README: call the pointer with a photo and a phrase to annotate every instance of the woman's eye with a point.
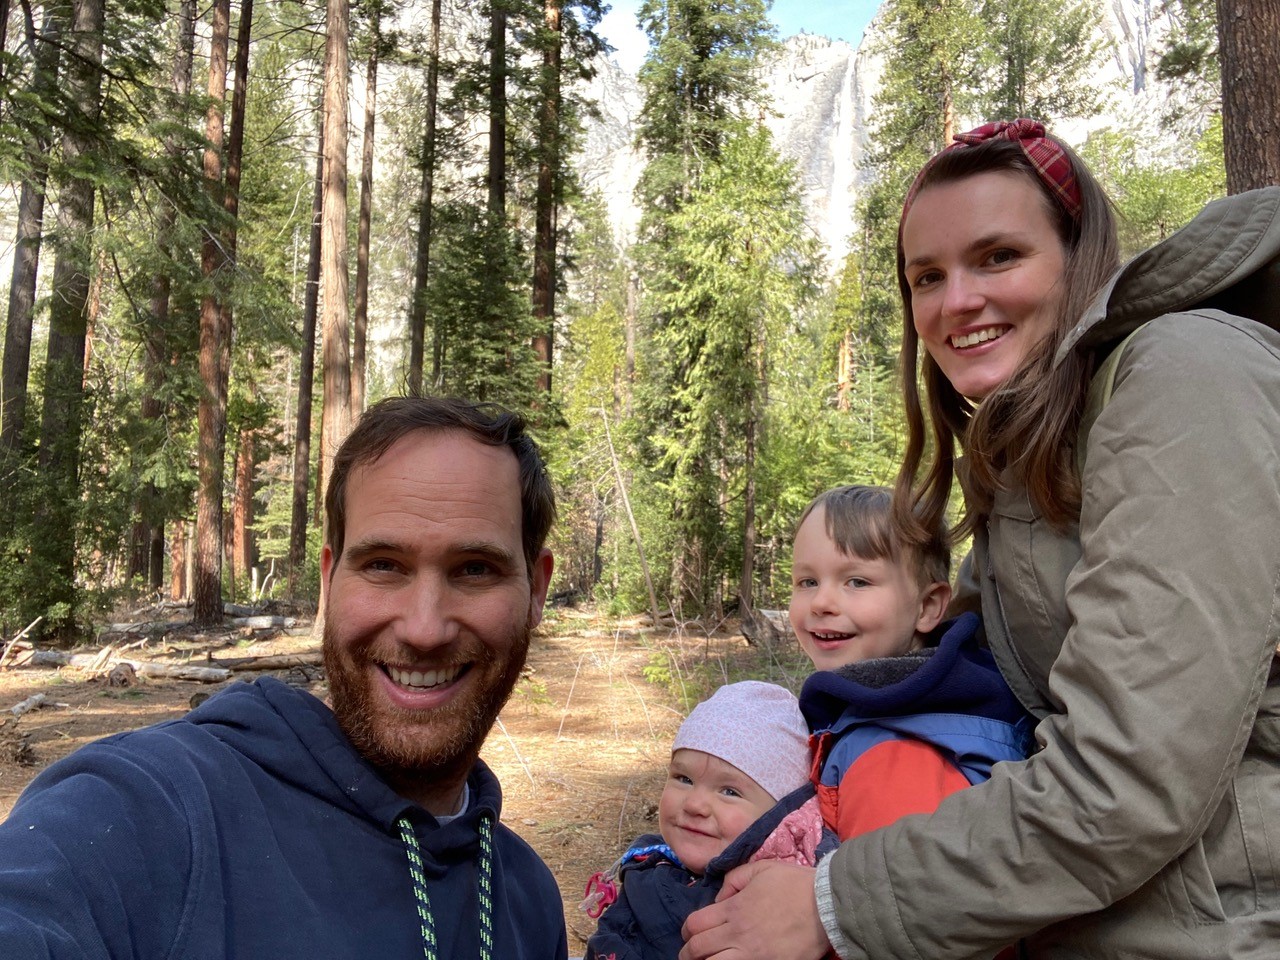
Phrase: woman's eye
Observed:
(926, 279)
(1004, 256)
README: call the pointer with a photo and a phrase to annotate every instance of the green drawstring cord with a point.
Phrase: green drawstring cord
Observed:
(485, 885)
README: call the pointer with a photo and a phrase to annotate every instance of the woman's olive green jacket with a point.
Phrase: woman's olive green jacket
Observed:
(1148, 823)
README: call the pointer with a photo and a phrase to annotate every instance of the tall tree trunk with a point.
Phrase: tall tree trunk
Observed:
(156, 360)
(242, 551)
(422, 263)
(544, 247)
(211, 414)
(498, 110)
(26, 257)
(231, 196)
(746, 583)
(306, 377)
(336, 414)
(61, 418)
(366, 213)
(178, 561)
(1249, 50)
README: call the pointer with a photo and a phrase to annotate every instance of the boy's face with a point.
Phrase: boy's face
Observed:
(705, 804)
(847, 608)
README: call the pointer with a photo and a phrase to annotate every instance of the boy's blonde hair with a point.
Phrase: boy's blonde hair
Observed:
(859, 520)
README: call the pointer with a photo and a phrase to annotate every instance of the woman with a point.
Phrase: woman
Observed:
(1126, 522)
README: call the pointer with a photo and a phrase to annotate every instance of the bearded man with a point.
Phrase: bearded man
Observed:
(264, 824)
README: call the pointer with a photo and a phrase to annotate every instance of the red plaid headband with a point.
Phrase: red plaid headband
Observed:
(1047, 158)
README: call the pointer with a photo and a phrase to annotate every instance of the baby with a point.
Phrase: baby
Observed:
(737, 790)
(905, 708)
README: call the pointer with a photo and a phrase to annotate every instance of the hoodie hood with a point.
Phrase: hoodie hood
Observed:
(957, 676)
(295, 738)
(1227, 258)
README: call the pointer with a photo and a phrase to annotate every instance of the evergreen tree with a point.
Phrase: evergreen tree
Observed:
(747, 265)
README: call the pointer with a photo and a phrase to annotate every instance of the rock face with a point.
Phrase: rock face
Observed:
(821, 95)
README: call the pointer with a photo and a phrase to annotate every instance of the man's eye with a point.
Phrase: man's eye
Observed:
(381, 565)
(476, 568)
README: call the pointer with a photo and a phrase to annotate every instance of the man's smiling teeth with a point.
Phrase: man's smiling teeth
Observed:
(423, 679)
(978, 336)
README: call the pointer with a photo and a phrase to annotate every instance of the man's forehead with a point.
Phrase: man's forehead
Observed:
(445, 464)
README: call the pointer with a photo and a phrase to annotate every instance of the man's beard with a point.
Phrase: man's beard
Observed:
(436, 745)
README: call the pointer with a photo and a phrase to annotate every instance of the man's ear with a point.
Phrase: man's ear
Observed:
(933, 606)
(539, 580)
(326, 563)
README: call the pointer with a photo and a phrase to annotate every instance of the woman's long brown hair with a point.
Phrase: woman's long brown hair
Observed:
(1028, 426)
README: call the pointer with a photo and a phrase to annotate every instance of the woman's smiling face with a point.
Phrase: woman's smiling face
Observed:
(984, 264)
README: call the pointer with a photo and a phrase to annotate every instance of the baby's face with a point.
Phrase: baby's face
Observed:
(705, 804)
(845, 609)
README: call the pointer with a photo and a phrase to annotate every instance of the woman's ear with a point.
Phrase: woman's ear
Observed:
(933, 606)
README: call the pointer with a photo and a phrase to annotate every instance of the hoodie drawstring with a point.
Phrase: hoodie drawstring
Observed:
(484, 883)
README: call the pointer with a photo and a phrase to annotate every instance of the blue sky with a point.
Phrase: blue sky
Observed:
(838, 19)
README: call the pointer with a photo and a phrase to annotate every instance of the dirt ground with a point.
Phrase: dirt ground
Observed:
(580, 749)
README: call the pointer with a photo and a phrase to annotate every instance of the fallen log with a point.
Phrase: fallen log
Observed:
(33, 701)
(275, 661)
(144, 668)
(262, 622)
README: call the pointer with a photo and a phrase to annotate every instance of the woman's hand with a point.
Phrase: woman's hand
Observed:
(764, 910)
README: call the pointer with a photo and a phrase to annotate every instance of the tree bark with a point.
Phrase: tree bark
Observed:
(211, 414)
(336, 414)
(179, 551)
(306, 376)
(422, 263)
(26, 255)
(242, 548)
(366, 208)
(498, 110)
(62, 415)
(366, 213)
(1249, 54)
(156, 360)
(547, 199)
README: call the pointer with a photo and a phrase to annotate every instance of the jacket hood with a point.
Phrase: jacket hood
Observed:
(294, 737)
(1227, 258)
(957, 676)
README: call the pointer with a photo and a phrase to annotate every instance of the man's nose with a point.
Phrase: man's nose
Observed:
(427, 616)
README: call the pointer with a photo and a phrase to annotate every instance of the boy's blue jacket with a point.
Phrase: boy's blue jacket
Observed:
(657, 895)
(870, 719)
(252, 829)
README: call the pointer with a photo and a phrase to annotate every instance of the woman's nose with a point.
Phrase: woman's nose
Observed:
(962, 295)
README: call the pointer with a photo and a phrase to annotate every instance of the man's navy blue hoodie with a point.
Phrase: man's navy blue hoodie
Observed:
(252, 828)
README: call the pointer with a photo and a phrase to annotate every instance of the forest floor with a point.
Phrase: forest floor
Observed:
(581, 748)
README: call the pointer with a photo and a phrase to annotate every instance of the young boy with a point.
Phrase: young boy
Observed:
(904, 708)
(737, 790)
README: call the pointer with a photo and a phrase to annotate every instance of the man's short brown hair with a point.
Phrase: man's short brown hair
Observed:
(859, 520)
(396, 417)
